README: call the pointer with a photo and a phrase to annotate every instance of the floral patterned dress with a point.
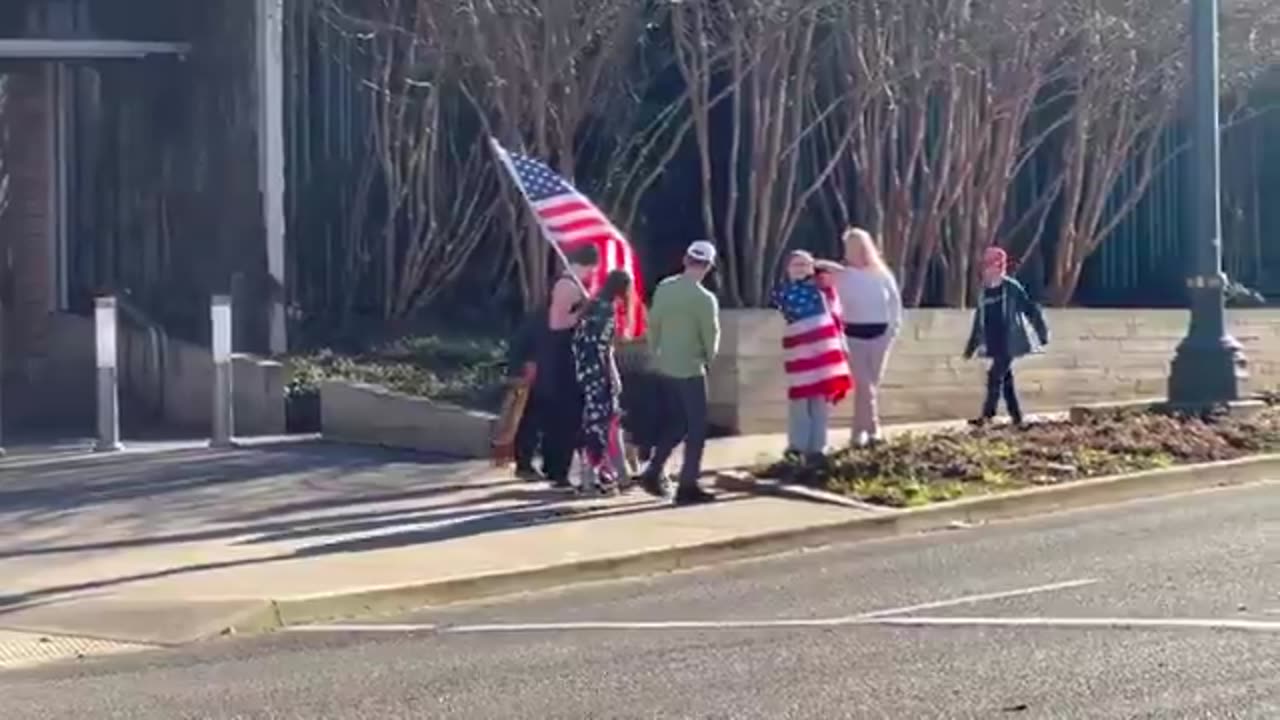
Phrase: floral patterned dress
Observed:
(597, 371)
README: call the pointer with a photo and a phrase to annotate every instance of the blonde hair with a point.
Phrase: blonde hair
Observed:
(857, 239)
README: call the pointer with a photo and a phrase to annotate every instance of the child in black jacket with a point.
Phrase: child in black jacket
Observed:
(1000, 333)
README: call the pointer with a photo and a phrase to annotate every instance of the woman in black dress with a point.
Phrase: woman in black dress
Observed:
(598, 377)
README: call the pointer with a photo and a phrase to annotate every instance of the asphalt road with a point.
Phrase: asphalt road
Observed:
(1042, 618)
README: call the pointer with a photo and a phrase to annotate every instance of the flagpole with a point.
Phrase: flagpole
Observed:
(504, 159)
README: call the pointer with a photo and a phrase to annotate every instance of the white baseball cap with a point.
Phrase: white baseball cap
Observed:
(702, 251)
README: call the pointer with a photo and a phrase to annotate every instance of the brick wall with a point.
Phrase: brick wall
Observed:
(44, 354)
(25, 226)
(1095, 356)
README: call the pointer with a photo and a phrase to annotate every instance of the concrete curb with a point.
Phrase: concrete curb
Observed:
(1036, 501)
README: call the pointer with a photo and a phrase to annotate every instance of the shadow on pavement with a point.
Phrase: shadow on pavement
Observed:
(78, 481)
(279, 530)
(60, 486)
(312, 498)
(494, 521)
(306, 506)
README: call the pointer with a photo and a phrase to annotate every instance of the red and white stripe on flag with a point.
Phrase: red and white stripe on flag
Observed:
(573, 221)
(616, 254)
(570, 220)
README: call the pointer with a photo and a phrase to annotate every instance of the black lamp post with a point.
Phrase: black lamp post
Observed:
(1206, 366)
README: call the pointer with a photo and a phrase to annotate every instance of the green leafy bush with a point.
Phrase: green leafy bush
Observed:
(465, 371)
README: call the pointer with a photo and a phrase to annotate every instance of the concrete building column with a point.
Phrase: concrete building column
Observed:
(269, 44)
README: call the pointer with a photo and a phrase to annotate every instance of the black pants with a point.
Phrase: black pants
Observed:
(1000, 383)
(640, 407)
(528, 434)
(560, 419)
(683, 409)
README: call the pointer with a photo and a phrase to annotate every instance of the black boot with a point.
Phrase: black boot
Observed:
(694, 495)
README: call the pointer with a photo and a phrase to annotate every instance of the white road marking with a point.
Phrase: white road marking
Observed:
(651, 625)
(860, 619)
(1048, 623)
(362, 628)
(971, 599)
(1263, 626)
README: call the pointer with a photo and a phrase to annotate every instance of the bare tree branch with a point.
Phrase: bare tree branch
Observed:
(440, 200)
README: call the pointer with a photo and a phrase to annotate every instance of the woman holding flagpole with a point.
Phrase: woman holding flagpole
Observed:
(588, 243)
(559, 396)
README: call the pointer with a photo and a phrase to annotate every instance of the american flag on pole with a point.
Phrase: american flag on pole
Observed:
(569, 220)
(813, 342)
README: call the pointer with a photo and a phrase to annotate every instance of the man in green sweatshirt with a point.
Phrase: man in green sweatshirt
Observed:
(683, 338)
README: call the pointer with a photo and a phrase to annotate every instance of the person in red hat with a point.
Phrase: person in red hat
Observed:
(1000, 332)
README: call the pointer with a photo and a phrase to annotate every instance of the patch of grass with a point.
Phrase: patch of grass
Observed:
(466, 371)
(914, 470)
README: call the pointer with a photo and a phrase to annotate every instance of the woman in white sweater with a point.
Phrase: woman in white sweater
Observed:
(872, 317)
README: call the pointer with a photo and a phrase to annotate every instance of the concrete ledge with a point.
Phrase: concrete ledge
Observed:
(258, 393)
(1239, 408)
(1075, 495)
(373, 415)
(741, 481)
(1081, 413)
(173, 380)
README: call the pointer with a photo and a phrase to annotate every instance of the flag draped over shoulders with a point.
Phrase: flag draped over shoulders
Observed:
(813, 342)
(570, 220)
(833, 304)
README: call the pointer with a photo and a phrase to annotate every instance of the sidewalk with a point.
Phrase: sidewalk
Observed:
(167, 544)
(172, 542)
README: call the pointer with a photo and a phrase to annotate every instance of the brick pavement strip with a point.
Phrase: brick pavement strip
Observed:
(21, 649)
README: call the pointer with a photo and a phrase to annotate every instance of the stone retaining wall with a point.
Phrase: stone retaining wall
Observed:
(1095, 356)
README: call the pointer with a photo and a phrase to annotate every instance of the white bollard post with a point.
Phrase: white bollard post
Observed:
(104, 313)
(223, 405)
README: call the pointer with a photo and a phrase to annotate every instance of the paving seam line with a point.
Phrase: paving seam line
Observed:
(286, 612)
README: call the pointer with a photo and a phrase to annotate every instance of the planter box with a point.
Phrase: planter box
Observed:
(1094, 356)
(373, 415)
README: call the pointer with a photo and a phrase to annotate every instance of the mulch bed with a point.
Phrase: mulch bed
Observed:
(915, 470)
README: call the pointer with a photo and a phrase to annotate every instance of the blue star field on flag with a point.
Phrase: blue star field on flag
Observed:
(799, 300)
(538, 179)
